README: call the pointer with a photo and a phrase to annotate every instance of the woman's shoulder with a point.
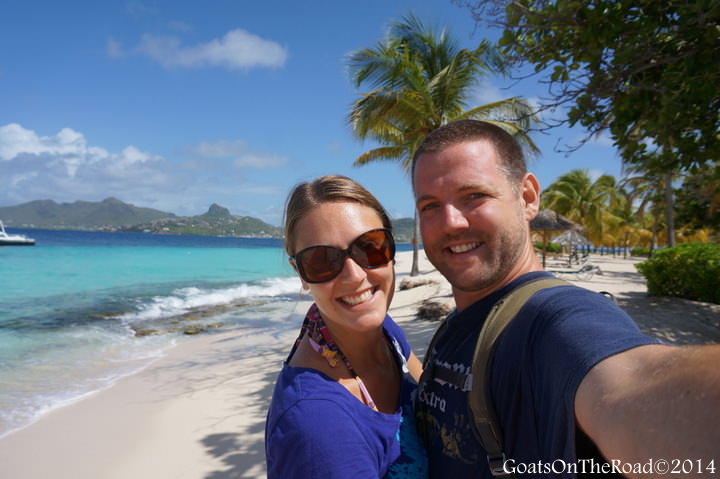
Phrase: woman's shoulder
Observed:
(302, 393)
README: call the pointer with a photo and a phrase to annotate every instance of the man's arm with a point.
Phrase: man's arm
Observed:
(414, 366)
(654, 402)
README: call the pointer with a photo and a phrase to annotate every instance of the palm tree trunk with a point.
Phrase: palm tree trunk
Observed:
(653, 238)
(625, 245)
(415, 270)
(669, 210)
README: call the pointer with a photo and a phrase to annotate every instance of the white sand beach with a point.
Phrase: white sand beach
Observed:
(199, 411)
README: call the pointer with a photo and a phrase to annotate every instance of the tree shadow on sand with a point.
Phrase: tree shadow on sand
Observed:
(673, 320)
(242, 451)
(240, 456)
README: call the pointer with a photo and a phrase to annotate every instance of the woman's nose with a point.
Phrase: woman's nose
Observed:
(352, 271)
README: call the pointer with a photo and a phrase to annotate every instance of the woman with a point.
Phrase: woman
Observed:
(342, 402)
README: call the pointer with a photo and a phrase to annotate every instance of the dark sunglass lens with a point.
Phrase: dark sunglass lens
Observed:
(373, 249)
(321, 263)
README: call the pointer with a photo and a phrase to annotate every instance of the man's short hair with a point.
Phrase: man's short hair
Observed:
(510, 155)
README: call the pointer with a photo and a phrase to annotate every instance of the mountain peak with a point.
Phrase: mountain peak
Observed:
(217, 210)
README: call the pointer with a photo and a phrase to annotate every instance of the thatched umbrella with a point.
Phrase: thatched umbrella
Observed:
(572, 238)
(548, 221)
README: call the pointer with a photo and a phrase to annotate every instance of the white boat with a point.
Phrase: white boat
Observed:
(14, 240)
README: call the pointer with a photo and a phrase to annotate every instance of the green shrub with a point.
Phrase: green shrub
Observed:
(640, 251)
(689, 270)
(549, 247)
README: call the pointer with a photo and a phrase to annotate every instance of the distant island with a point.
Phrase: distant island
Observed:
(114, 215)
(216, 222)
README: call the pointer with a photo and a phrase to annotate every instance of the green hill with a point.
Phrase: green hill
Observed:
(217, 221)
(107, 214)
(403, 229)
(112, 214)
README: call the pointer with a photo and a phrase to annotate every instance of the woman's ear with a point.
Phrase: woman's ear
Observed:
(305, 286)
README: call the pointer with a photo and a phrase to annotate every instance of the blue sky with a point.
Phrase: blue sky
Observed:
(176, 105)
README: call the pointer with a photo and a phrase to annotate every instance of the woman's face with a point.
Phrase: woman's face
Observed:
(357, 299)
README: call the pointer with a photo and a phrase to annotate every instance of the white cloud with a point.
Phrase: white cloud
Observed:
(67, 149)
(237, 50)
(238, 151)
(16, 180)
(220, 148)
(260, 161)
(486, 93)
(114, 49)
(140, 8)
(64, 167)
(180, 26)
(65, 163)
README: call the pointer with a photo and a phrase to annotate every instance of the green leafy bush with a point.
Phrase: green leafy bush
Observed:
(549, 247)
(689, 270)
(640, 251)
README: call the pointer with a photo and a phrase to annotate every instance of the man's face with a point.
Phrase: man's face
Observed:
(473, 224)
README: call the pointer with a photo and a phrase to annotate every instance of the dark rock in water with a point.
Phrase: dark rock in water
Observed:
(192, 330)
(432, 311)
(180, 322)
(139, 333)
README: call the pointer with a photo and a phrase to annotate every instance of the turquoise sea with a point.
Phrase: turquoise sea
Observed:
(76, 308)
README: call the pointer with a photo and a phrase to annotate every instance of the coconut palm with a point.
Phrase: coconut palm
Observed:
(625, 219)
(647, 187)
(421, 80)
(576, 196)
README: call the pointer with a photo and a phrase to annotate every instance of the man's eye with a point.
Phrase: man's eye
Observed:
(427, 207)
(476, 196)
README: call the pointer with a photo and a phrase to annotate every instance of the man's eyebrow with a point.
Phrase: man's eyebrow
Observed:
(471, 186)
(423, 198)
(462, 189)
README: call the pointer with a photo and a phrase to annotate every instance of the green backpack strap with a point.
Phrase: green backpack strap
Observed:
(480, 401)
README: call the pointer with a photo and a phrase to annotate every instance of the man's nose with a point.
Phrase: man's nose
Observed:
(454, 218)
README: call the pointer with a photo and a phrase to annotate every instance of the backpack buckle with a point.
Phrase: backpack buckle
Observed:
(467, 386)
(497, 465)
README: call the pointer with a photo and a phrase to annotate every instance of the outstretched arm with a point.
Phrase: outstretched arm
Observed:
(654, 402)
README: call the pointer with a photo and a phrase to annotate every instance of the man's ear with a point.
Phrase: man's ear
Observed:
(530, 193)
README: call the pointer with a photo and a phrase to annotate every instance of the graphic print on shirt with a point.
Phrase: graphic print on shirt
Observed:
(444, 412)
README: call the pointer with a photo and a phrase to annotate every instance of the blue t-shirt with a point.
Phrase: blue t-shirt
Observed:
(317, 429)
(539, 361)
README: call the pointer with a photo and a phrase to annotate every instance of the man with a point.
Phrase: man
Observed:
(571, 365)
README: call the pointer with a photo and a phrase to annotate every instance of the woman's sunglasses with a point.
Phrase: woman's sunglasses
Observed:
(372, 249)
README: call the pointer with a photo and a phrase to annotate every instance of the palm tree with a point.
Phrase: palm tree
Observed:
(625, 219)
(421, 80)
(576, 196)
(648, 188)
